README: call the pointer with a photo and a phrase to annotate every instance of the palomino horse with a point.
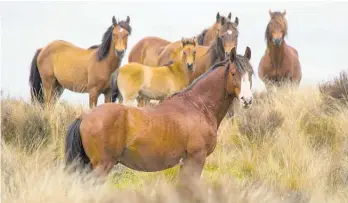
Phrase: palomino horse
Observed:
(208, 35)
(135, 79)
(148, 49)
(280, 62)
(62, 65)
(182, 127)
(228, 38)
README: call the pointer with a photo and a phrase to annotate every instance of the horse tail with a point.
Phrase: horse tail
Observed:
(35, 81)
(114, 86)
(74, 150)
(200, 37)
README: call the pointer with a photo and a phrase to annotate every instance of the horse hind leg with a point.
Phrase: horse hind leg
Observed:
(52, 89)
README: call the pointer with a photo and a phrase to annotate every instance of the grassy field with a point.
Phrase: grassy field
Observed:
(291, 146)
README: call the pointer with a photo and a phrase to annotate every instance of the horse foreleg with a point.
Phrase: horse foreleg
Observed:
(93, 98)
(107, 96)
(192, 166)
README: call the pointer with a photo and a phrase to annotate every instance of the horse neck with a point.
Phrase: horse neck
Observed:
(276, 54)
(210, 97)
(113, 61)
(179, 68)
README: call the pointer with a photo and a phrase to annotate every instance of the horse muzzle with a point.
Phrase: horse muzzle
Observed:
(278, 41)
(119, 54)
(246, 102)
(190, 66)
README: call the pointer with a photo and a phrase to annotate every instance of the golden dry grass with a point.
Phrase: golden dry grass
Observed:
(291, 146)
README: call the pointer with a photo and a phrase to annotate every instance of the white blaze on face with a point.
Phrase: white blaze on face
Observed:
(121, 30)
(245, 95)
(229, 32)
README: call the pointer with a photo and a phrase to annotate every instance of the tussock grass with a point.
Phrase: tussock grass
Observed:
(287, 148)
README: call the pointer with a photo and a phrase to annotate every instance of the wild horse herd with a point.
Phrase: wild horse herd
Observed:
(194, 79)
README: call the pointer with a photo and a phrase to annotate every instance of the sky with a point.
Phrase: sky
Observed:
(318, 30)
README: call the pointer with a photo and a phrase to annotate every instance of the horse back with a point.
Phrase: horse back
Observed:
(167, 53)
(146, 47)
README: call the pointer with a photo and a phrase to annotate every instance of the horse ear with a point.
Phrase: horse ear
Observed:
(195, 41)
(183, 42)
(217, 16)
(230, 15)
(114, 22)
(128, 20)
(284, 12)
(247, 53)
(270, 12)
(236, 21)
(233, 54)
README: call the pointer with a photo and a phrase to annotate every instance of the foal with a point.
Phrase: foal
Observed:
(134, 79)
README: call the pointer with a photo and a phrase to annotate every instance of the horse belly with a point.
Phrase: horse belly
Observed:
(71, 76)
(156, 88)
(150, 159)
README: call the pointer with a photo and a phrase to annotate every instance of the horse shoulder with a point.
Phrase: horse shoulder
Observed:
(264, 64)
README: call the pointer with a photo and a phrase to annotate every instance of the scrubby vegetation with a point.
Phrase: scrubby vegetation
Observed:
(291, 146)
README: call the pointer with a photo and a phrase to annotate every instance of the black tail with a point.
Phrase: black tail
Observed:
(200, 37)
(114, 87)
(74, 152)
(35, 80)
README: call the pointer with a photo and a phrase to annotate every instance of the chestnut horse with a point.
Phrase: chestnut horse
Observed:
(182, 128)
(135, 79)
(61, 65)
(280, 62)
(148, 49)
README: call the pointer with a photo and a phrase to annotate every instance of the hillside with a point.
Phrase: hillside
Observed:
(291, 146)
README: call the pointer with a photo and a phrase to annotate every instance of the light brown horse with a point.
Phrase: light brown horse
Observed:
(148, 49)
(134, 79)
(61, 65)
(182, 127)
(228, 38)
(280, 62)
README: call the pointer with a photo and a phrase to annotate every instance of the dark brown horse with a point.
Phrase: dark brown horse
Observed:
(61, 65)
(182, 127)
(280, 62)
(208, 35)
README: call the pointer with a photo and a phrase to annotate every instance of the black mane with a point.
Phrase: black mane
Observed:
(104, 47)
(242, 65)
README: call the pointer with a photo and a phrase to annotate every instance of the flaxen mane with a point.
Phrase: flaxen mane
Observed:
(276, 21)
(187, 41)
(104, 47)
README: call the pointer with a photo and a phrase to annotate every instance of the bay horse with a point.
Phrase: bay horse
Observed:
(182, 128)
(148, 49)
(134, 79)
(61, 65)
(280, 62)
(208, 35)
